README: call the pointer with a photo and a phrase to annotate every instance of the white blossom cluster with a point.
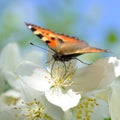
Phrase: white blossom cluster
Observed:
(30, 90)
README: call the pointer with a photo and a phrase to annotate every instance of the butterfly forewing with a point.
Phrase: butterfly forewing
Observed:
(60, 43)
(45, 35)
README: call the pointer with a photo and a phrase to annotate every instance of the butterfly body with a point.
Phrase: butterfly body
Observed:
(65, 48)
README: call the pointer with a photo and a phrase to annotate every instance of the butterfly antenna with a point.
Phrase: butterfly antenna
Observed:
(82, 61)
(39, 47)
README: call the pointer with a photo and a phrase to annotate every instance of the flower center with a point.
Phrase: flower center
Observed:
(61, 75)
(33, 111)
(85, 108)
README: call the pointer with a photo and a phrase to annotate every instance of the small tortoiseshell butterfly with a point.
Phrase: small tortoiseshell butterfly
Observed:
(65, 47)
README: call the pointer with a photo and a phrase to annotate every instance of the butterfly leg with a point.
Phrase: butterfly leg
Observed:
(82, 61)
(64, 67)
(52, 68)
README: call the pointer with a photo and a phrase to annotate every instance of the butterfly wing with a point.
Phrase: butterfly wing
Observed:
(62, 44)
(58, 42)
(72, 46)
(47, 36)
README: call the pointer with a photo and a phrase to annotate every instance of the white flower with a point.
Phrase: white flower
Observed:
(41, 80)
(114, 94)
(111, 94)
(98, 75)
(10, 58)
(58, 84)
(114, 100)
(88, 108)
(116, 63)
(96, 80)
(34, 106)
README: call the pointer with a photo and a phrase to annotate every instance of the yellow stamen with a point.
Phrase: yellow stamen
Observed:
(85, 108)
(33, 111)
(61, 75)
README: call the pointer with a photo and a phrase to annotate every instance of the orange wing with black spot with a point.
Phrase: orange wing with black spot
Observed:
(62, 44)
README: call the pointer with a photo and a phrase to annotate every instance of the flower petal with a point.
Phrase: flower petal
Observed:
(30, 94)
(10, 57)
(96, 76)
(35, 57)
(53, 110)
(114, 100)
(101, 112)
(65, 101)
(13, 80)
(116, 65)
(33, 75)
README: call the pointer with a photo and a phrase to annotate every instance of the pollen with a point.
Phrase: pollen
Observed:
(32, 111)
(61, 75)
(85, 108)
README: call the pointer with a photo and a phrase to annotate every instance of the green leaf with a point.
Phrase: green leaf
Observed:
(107, 119)
(112, 37)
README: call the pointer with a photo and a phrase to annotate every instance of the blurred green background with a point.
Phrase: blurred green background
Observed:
(95, 21)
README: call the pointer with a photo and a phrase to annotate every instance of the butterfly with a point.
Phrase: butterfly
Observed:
(65, 47)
